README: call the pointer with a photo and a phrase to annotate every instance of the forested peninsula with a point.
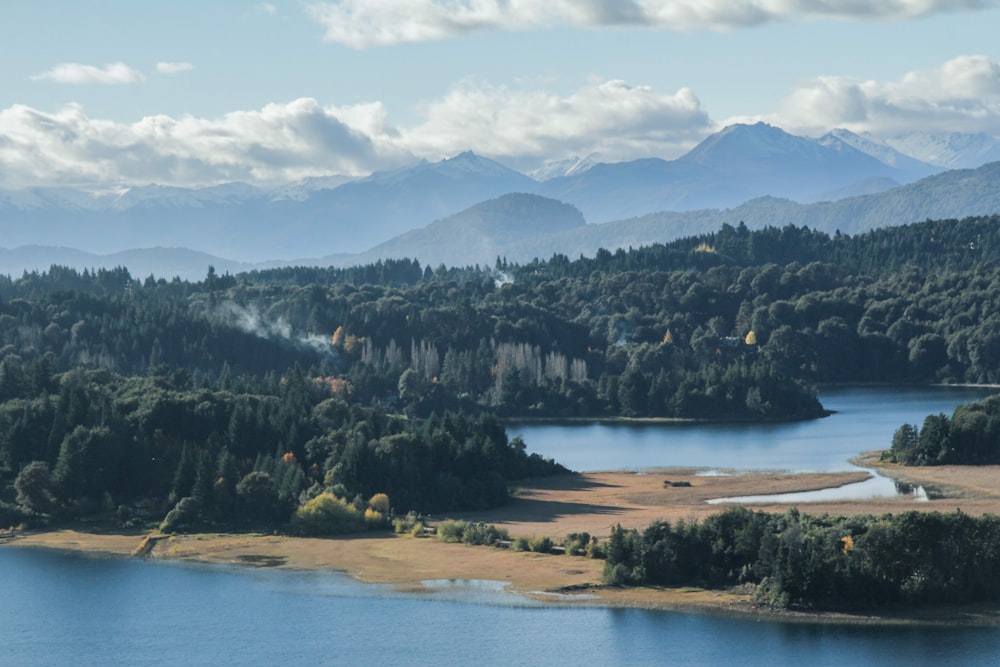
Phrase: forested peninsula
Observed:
(970, 436)
(321, 400)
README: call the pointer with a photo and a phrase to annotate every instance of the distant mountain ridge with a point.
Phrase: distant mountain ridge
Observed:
(880, 151)
(743, 170)
(949, 150)
(478, 234)
(244, 222)
(159, 262)
(738, 163)
(952, 194)
(521, 227)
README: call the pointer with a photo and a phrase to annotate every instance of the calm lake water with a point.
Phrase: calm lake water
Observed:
(865, 419)
(63, 609)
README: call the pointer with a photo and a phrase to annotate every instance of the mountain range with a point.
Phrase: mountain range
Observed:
(464, 209)
(950, 194)
(740, 162)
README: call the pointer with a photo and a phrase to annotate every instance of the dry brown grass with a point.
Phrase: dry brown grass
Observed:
(596, 502)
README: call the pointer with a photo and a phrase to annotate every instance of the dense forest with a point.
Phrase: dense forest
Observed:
(826, 562)
(306, 383)
(239, 455)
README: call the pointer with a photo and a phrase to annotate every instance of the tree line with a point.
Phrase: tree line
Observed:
(971, 436)
(819, 562)
(418, 363)
(732, 325)
(89, 441)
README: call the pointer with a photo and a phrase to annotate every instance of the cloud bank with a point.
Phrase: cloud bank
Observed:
(961, 95)
(366, 23)
(521, 126)
(612, 118)
(302, 138)
(276, 143)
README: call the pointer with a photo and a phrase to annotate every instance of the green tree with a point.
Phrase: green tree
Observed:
(257, 498)
(82, 466)
(34, 487)
(904, 443)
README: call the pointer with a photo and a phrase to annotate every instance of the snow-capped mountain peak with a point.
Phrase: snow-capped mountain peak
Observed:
(879, 150)
(756, 142)
(570, 166)
(949, 150)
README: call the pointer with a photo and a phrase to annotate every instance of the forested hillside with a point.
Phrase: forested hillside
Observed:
(953, 194)
(389, 378)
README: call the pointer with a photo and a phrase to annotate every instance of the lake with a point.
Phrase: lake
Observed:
(864, 419)
(65, 609)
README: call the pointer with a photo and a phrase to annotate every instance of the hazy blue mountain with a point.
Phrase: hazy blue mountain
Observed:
(868, 186)
(479, 234)
(307, 187)
(67, 200)
(151, 197)
(160, 262)
(363, 213)
(738, 163)
(568, 167)
(853, 179)
(950, 194)
(249, 224)
(949, 150)
(912, 167)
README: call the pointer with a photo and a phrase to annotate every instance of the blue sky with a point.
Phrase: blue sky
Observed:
(196, 93)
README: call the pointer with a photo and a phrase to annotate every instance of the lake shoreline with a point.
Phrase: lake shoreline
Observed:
(657, 421)
(273, 551)
(592, 502)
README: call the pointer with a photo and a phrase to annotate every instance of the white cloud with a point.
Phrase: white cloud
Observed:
(113, 73)
(282, 142)
(521, 124)
(961, 95)
(365, 23)
(74, 73)
(610, 117)
(276, 143)
(173, 68)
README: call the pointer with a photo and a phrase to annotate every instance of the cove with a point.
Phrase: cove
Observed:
(864, 419)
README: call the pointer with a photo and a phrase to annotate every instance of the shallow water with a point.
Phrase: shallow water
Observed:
(876, 486)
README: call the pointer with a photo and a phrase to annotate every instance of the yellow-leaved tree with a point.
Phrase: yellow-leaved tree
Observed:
(326, 514)
(377, 512)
